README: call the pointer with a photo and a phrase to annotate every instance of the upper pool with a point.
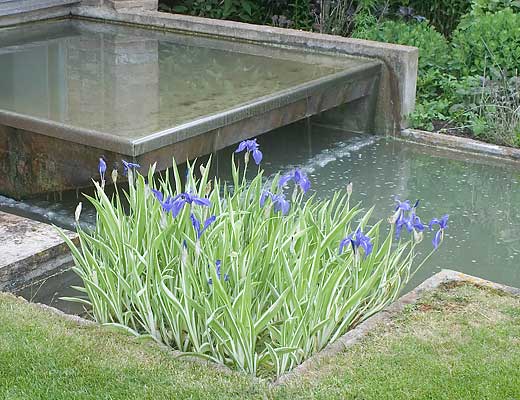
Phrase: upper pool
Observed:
(132, 82)
(73, 90)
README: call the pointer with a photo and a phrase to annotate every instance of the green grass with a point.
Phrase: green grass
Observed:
(458, 343)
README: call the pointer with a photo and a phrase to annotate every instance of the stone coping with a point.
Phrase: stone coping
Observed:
(457, 143)
(23, 6)
(30, 250)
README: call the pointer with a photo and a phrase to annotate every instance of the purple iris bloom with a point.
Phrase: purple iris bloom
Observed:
(102, 168)
(128, 165)
(357, 239)
(443, 224)
(299, 178)
(176, 204)
(278, 200)
(251, 146)
(218, 265)
(411, 223)
(403, 205)
(200, 228)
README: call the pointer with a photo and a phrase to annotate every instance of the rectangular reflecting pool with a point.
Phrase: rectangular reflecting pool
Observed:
(73, 90)
(480, 194)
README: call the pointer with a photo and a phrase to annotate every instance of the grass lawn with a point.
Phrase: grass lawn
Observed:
(457, 343)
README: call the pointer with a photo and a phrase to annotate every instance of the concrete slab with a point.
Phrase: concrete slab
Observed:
(461, 144)
(14, 12)
(29, 250)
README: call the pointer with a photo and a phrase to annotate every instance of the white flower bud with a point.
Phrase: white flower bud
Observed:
(349, 188)
(114, 176)
(417, 236)
(77, 213)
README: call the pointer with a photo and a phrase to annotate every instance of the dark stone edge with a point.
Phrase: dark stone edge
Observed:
(460, 144)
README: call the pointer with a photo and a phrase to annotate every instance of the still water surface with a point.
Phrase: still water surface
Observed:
(131, 82)
(481, 195)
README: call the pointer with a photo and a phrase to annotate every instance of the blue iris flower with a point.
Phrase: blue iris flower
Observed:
(218, 266)
(278, 200)
(200, 228)
(102, 168)
(357, 239)
(403, 205)
(443, 224)
(128, 165)
(251, 146)
(299, 178)
(411, 223)
(175, 204)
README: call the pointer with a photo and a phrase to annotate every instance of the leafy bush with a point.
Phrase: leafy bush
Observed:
(433, 50)
(300, 14)
(240, 10)
(239, 274)
(479, 7)
(444, 15)
(486, 41)
(496, 110)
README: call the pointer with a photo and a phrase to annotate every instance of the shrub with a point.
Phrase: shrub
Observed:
(445, 15)
(486, 41)
(479, 7)
(239, 10)
(239, 274)
(433, 50)
(496, 110)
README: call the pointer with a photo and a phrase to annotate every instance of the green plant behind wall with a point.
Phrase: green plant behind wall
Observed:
(486, 41)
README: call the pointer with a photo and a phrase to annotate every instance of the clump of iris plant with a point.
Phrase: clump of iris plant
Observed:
(236, 272)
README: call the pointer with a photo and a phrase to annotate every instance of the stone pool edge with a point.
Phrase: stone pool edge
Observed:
(459, 144)
(355, 335)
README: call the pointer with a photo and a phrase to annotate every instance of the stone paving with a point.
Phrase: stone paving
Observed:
(29, 250)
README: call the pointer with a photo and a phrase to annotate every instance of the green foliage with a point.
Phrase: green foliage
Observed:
(479, 7)
(443, 14)
(282, 292)
(433, 50)
(240, 10)
(488, 41)
(496, 110)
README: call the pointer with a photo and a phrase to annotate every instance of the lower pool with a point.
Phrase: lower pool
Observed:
(481, 195)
